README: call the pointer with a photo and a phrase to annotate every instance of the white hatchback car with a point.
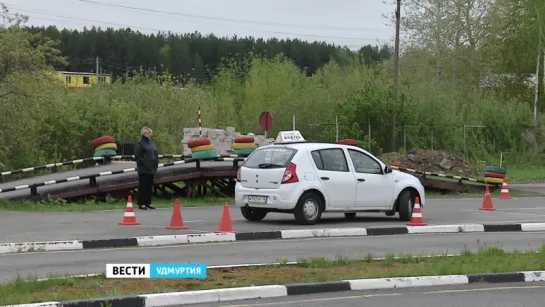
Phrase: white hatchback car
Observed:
(307, 179)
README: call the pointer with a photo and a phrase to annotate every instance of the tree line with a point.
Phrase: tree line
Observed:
(192, 55)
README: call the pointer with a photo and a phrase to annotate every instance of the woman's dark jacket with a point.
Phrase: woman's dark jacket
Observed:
(147, 158)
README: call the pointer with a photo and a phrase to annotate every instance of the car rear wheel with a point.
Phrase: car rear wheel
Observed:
(253, 214)
(308, 210)
(406, 204)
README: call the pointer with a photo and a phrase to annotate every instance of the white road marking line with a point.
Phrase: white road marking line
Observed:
(152, 226)
(536, 208)
(336, 298)
(516, 213)
(513, 221)
(181, 233)
(481, 289)
(219, 206)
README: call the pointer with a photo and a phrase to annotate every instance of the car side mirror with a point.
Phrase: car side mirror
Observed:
(387, 169)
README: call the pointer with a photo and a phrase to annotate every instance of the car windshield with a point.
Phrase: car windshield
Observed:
(273, 157)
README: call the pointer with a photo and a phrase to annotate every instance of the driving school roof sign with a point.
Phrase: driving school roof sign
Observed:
(285, 137)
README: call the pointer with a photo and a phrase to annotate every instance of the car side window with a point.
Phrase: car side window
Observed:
(317, 160)
(330, 160)
(363, 163)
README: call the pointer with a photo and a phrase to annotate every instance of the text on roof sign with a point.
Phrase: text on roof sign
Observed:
(286, 136)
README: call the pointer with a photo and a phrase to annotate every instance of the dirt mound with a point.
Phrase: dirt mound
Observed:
(433, 161)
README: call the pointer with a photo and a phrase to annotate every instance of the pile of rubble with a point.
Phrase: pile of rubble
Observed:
(433, 161)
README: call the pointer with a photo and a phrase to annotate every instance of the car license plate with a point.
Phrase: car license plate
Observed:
(257, 199)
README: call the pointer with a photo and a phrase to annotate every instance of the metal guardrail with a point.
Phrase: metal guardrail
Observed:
(459, 178)
(234, 158)
(54, 166)
(92, 177)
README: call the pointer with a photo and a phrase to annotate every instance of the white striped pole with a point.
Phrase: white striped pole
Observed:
(200, 121)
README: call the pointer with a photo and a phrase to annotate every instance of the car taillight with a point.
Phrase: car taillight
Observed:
(238, 175)
(290, 174)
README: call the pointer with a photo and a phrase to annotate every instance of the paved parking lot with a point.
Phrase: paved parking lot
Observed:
(27, 227)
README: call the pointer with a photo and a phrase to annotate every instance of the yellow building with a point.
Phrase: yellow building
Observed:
(81, 80)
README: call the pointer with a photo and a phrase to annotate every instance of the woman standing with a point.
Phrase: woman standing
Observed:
(147, 161)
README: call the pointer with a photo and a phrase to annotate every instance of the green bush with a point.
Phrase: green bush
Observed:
(56, 124)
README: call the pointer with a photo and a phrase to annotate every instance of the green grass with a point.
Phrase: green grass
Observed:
(515, 174)
(524, 174)
(489, 260)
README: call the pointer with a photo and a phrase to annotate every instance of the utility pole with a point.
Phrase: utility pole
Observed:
(396, 77)
(438, 39)
(336, 128)
(538, 87)
(540, 56)
(97, 69)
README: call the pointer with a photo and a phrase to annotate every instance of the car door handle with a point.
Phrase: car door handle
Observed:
(361, 179)
(324, 178)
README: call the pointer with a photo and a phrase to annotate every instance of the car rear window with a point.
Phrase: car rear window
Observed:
(275, 157)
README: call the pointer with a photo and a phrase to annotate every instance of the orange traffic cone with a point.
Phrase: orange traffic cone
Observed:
(487, 201)
(176, 221)
(417, 219)
(226, 225)
(504, 194)
(129, 219)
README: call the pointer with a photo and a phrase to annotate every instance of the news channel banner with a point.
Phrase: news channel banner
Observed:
(156, 270)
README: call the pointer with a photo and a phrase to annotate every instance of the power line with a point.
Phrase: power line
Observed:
(80, 19)
(84, 24)
(165, 31)
(254, 22)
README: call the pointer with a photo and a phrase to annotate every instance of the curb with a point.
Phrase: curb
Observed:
(162, 240)
(272, 291)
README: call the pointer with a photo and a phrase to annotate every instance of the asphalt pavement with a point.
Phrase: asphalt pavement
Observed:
(32, 227)
(41, 264)
(473, 295)
(104, 181)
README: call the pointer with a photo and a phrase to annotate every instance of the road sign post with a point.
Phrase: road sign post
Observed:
(266, 122)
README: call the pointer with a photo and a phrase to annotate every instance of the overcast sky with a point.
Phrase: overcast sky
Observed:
(353, 23)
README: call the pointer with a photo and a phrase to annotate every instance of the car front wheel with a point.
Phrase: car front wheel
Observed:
(253, 214)
(406, 204)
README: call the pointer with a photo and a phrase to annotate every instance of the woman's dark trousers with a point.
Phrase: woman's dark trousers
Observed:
(145, 189)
